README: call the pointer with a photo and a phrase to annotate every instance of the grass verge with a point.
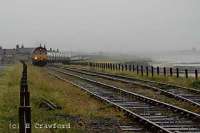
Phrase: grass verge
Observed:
(78, 108)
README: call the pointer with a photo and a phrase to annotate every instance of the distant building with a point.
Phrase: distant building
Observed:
(23, 53)
(8, 56)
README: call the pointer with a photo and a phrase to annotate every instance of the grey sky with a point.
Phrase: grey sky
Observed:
(101, 25)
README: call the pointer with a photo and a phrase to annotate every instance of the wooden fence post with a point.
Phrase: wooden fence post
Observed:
(130, 67)
(158, 70)
(147, 71)
(126, 67)
(186, 73)
(24, 108)
(196, 74)
(164, 70)
(152, 71)
(177, 72)
(171, 71)
(142, 71)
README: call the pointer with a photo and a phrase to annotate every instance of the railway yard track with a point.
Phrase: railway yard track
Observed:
(154, 115)
(189, 95)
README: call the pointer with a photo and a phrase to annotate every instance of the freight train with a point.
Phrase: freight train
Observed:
(41, 56)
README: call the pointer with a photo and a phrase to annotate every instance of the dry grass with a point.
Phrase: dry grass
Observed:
(73, 101)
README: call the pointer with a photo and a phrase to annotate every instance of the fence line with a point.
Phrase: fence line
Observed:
(146, 70)
(24, 108)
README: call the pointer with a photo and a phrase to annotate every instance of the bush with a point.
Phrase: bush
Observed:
(196, 84)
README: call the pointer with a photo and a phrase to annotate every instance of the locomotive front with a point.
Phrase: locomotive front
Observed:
(39, 56)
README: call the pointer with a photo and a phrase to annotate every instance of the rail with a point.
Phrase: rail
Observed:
(154, 114)
(186, 94)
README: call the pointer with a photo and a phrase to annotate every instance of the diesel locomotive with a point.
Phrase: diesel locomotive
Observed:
(41, 56)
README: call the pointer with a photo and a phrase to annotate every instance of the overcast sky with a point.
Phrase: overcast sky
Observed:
(101, 25)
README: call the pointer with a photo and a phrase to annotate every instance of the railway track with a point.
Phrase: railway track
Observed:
(189, 95)
(156, 115)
